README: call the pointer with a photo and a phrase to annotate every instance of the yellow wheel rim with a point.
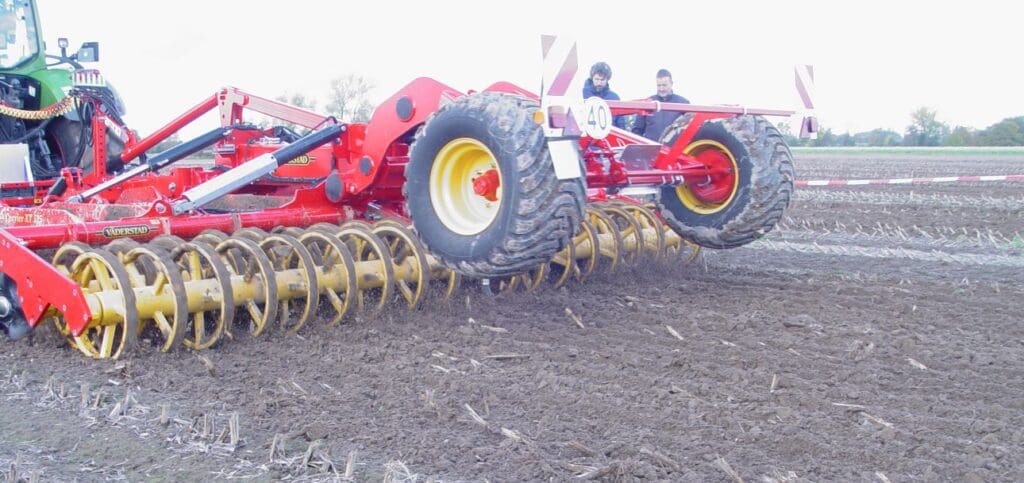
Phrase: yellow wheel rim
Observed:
(714, 155)
(452, 195)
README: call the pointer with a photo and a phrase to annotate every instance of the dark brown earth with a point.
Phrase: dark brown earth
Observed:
(878, 335)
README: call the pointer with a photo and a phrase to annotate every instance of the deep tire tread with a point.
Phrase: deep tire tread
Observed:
(546, 212)
(770, 187)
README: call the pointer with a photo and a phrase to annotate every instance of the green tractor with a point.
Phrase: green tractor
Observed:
(44, 127)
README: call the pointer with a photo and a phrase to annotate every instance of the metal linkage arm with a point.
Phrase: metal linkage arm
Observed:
(254, 169)
(648, 106)
(161, 160)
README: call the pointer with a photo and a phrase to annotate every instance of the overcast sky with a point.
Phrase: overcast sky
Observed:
(874, 61)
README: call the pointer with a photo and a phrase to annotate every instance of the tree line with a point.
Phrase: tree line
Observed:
(924, 130)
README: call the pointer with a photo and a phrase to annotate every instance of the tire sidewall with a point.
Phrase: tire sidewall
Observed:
(715, 131)
(447, 126)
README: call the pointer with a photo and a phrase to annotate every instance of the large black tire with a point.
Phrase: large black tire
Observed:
(65, 137)
(535, 214)
(760, 197)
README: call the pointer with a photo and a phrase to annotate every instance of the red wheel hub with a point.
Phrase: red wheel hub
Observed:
(487, 185)
(717, 186)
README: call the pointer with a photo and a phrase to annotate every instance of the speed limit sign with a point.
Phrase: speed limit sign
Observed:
(597, 118)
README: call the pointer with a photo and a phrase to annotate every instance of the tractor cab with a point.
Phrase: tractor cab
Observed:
(19, 41)
(45, 116)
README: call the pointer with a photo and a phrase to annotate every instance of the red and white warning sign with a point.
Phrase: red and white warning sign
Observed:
(559, 68)
(805, 87)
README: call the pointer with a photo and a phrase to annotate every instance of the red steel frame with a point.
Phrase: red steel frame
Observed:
(368, 158)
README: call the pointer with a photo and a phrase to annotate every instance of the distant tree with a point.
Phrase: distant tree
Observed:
(845, 139)
(784, 128)
(787, 134)
(878, 137)
(348, 98)
(924, 129)
(1008, 132)
(825, 138)
(297, 99)
(962, 136)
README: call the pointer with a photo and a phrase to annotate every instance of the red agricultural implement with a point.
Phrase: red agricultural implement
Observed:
(439, 186)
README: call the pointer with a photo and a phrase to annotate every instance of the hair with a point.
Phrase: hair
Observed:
(601, 68)
(664, 73)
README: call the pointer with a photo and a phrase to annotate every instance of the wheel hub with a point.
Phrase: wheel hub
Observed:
(465, 186)
(717, 189)
(487, 185)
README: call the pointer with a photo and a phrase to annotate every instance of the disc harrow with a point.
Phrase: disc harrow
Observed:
(171, 292)
(311, 221)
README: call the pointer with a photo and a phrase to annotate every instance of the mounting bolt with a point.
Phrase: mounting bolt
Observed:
(172, 186)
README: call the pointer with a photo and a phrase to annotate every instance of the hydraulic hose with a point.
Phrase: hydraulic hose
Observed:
(59, 108)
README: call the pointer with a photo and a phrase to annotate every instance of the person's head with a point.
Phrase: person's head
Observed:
(664, 79)
(600, 74)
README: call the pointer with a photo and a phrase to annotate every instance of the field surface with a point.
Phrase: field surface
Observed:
(876, 335)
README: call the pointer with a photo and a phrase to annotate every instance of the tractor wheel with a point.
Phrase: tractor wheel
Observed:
(481, 188)
(66, 136)
(748, 196)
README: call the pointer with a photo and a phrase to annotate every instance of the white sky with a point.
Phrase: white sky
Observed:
(874, 61)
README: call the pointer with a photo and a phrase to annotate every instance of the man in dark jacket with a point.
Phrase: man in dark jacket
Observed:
(652, 126)
(597, 86)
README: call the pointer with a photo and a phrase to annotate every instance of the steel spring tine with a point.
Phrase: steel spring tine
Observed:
(409, 261)
(367, 247)
(336, 269)
(567, 260)
(62, 260)
(137, 269)
(325, 227)
(629, 231)
(245, 258)
(251, 233)
(531, 280)
(294, 256)
(452, 280)
(169, 242)
(96, 271)
(586, 246)
(197, 262)
(365, 225)
(604, 226)
(121, 246)
(392, 221)
(652, 228)
(160, 275)
(293, 231)
(440, 275)
(694, 251)
(211, 237)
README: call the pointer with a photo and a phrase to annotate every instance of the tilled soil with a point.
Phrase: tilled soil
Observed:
(876, 336)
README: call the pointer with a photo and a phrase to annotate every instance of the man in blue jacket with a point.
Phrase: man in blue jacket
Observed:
(597, 86)
(652, 126)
